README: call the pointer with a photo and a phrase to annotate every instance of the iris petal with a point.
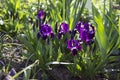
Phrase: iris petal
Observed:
(45, 31)
(74, 52)
(41, 14)
(12, 72)
(86, 32)
(64, 28)
(74, 46)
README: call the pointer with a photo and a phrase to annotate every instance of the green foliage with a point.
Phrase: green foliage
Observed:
(66, 10)
(15, 15)
(94, 59)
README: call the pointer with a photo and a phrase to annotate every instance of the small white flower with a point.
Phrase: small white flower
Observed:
(1, 22)
(43, 6)
(57, 2)
(33, 8)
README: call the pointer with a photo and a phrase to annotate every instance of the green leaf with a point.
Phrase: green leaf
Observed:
(119, 26)
(27, 74)
(26, 43)
(12, 1)
(21, 14)
(55, 10)
(112, 23)
(78, 67)
(59, 55)
(78, 12)
(17, 6)
(100, 31)
(18, 26)
(119, 33)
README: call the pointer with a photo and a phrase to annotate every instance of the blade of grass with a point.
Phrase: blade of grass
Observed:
(29, 67)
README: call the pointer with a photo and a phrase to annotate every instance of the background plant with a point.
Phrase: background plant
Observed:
(94, 59)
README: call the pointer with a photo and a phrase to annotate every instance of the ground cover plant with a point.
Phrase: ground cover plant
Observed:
(59, 40)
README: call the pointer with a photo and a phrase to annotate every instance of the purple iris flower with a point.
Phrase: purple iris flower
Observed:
(74, 46)
(45, 31)
(2, 63)
(12, 72)
(64, 28)
(86, 31)
(41, 14)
